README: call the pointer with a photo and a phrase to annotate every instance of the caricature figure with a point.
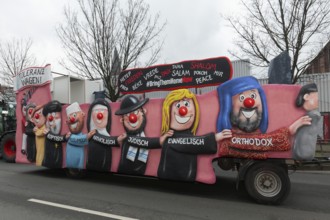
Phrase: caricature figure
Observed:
(30, 150)
(306, 137)
(39, 131)
(24, 123)
(99, 146)
(53, 144)
(75, 155)
(180, 117)
(135, 148)
(243, 109)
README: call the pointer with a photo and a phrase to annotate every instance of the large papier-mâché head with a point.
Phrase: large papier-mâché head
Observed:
(231, 88)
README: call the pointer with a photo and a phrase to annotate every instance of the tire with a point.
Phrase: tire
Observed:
(226, 163)
(8, 147)
(267, 183)
(75, 173)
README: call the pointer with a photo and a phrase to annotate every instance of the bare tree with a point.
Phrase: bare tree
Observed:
(272, 26)
(15, 55)
(105, 39)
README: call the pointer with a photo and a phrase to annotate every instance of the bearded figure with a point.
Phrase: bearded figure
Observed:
(53, 144)
(75, 148)
(243, 109)
(136, 146)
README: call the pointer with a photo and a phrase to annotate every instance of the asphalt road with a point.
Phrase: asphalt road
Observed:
(29, 192)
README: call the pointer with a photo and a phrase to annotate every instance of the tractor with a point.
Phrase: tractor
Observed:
(8, 131)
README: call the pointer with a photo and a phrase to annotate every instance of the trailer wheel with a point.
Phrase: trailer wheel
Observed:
(267, 183)
(8, 147)
(75, 173)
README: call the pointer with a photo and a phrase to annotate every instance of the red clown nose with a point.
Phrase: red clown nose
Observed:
(99, 115)
(132, 118)
(248, 102)
(50, 118)
(37, 116)
(183, 110)
(30, 111)
(72, 119)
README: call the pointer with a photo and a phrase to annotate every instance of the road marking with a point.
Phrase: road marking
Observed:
(108, 215)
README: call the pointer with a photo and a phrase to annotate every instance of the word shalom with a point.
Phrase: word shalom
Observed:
(267, 142)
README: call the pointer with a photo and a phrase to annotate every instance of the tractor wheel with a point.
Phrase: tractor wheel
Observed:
(8, 147)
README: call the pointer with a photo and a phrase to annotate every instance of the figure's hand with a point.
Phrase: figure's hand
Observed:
(162, 138)
(26, 123)
(304, 120)
(46, 131)
(226, 133)
(91, 133)
(23, 152)
(121, 138)
(67, 136)
(35, 129)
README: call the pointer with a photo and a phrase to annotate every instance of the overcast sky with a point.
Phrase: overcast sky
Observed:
(195, 29)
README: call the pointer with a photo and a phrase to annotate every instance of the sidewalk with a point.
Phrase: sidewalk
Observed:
(322, 150)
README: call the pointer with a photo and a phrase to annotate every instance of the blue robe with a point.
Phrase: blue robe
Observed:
(75, 151)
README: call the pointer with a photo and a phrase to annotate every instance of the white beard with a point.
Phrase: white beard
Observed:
(57, 128)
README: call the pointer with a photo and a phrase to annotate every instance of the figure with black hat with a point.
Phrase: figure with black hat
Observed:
(135, 147)
(100, 145)
(306, 137)
(53, 144)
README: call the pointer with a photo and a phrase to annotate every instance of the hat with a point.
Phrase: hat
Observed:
(129, 104)
(99, 94)
(52, 106)
(37, 108)
(74, 107)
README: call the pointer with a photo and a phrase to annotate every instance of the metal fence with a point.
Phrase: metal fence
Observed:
(322, 80)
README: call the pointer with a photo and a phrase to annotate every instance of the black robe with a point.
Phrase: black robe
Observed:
(100, 152)
(53, 157)
(135, 167)
(179, 155)
(31, 149)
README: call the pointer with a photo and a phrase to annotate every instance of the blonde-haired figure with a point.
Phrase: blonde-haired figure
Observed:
(180, 119)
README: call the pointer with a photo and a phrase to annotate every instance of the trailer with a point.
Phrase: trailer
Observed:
(255, 130)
